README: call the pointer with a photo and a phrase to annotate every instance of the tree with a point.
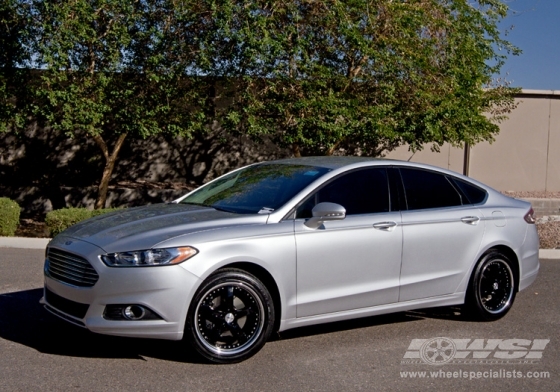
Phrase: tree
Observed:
(317, 76)
(110, 69)
(14, 56)
(366, 74)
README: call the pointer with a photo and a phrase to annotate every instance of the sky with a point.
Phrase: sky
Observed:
(536, 31)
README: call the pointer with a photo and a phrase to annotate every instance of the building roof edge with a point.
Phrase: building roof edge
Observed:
(546, 93)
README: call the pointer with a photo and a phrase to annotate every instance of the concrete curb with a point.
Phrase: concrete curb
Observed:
(41, 243)
(547, 254)
(24, 242)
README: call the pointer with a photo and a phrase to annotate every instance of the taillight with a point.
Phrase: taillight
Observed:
(530, 217)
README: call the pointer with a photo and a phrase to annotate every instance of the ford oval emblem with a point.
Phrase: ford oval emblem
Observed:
(68, 243)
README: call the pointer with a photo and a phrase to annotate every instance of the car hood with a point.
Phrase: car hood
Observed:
(144, 227)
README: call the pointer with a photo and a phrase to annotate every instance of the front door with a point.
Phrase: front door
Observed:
(353, 263)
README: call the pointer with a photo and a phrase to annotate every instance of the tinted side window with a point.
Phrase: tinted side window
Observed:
(475, 194)
(426, 189)
(363, 191)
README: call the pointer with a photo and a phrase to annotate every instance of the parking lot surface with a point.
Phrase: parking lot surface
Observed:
(394, 352)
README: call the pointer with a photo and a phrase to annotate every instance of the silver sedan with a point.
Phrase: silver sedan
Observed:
(290, 243)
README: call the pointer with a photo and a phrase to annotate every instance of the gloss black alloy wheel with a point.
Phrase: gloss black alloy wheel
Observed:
(492, 288)
(231, 317)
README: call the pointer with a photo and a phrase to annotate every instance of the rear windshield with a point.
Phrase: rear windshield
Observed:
(259, 188)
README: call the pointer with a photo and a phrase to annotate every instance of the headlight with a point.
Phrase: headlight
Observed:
(150, 257)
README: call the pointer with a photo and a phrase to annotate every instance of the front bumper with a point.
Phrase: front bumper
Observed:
(165, 290)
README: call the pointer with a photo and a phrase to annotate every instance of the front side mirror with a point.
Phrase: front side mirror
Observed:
(323, 212)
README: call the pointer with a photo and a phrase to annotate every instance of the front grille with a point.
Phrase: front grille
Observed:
(70, 268)
(64, 305)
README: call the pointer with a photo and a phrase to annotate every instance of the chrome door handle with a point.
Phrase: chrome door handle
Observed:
(386, 226)
(470, 220)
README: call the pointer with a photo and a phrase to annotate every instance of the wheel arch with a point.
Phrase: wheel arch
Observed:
(266, 278)
(512, 256)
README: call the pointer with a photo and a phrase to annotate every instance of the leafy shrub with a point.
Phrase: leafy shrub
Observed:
(9, 216)
(59, 220)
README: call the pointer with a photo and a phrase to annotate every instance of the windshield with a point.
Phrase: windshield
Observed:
(260, 188)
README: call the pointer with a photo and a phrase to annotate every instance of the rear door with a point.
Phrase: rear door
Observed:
(442, 233)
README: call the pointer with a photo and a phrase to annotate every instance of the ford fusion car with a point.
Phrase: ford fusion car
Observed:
(290, 243)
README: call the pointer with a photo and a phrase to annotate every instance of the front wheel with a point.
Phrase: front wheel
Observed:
(491, 290)
(231, 317)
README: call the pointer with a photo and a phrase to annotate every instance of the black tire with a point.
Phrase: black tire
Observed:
(231, 317)
(492, 287)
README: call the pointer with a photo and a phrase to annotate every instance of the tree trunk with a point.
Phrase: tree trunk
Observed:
(110, 160)
(333, 148)
(296, 151)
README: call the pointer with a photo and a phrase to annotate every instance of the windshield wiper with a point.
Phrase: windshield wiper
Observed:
(195, 204)
(216, 207)
(222, 209)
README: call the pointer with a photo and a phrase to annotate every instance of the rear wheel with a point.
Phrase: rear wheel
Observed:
(491, 290)
(231, 317)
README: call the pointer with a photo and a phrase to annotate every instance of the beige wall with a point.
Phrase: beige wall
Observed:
(525, 155)
(553, 167)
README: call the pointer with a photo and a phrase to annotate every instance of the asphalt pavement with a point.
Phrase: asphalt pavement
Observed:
(41, 352)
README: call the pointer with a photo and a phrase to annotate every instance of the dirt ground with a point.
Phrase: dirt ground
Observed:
(32, 228)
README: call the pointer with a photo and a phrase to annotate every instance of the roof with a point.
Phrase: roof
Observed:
(330, 162)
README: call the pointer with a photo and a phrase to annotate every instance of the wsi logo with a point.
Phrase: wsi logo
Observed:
(440, 351)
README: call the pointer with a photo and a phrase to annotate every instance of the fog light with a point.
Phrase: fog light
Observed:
(129, 312)
(134, 312)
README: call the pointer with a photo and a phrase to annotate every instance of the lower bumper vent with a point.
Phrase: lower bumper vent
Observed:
(64, 305)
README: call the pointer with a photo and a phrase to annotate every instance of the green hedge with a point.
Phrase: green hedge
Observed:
(9, 217)
(59, 220)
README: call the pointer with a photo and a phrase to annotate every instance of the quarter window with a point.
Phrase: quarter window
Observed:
(474, 194)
